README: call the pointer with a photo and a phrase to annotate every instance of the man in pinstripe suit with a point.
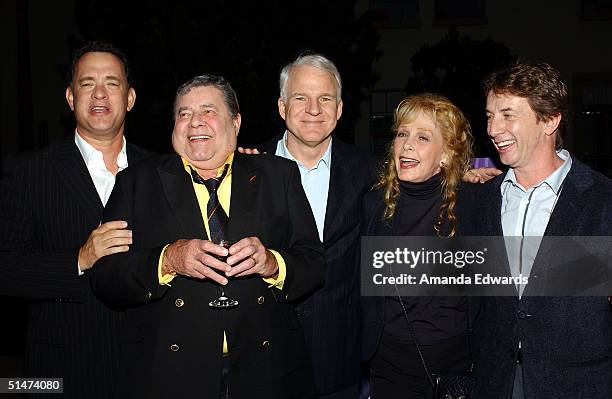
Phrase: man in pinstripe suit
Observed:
(51, 203)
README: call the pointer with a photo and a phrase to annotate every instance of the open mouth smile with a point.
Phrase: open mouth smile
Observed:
(406, 162)
(200, 137)
(504, 145)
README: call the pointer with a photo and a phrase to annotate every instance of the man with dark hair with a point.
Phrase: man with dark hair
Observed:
(534, 346)
(51, 204)
(100, 47)
(180, 341)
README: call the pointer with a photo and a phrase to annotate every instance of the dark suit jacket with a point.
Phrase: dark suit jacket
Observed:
(331, 315)
(267, 354)
(48, 208)
(566, 341)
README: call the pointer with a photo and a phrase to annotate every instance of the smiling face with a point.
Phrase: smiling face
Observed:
(312, 107)
(204, 131)
(418, 149)
(521, 140)
(99, 95)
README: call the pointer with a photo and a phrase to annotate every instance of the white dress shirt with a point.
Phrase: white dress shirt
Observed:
(525, 213)
(103, 179)
(315, 181)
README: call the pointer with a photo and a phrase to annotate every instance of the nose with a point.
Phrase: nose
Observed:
(99, 92)
(408, 144)
(197, 119)
(313, 107)
(494, 126)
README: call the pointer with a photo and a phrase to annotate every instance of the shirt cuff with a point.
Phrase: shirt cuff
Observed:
(166, 278)
(282, 272)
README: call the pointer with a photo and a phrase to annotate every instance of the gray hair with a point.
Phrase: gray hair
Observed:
(218, 82)
(314, 60)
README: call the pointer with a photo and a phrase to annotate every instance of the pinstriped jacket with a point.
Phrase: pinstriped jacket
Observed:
(48, 208)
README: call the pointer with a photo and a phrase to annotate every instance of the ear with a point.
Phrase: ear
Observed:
(551, 125)
(281, 108)
(443, 160)
(237, 121)
(131, 98)
(339, 111)
(70, 98)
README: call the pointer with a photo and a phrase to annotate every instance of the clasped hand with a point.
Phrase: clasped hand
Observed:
(196, 258)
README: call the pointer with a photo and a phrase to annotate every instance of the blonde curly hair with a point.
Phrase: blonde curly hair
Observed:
(457, 136)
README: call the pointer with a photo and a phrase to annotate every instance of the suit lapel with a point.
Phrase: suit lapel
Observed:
(566, 209)
(340, 190)
(135, 154)
(561, 222)
(491, 208)
(181, 197)
(245, 187)
(72, 170)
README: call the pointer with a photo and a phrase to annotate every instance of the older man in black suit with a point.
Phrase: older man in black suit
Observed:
(177, 343)
(541, 347)
(335, 175)
(51, 204)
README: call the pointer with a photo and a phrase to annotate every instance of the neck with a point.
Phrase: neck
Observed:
(110, 148)
(306, 154)
(532, 175)
(206, 173)
(208, 169)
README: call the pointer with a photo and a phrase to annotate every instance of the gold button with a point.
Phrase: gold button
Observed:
(179, 303)
(261, 300)
(265, 344)
(174, 348)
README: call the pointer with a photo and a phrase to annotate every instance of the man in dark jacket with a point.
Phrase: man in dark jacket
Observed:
(178, 343)
(535, 346)
(51, 204)
(335, 176)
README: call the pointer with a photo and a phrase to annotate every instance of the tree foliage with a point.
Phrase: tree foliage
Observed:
(456, 67)
(246, 42)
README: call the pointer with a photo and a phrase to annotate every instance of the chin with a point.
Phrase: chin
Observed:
(407, 178)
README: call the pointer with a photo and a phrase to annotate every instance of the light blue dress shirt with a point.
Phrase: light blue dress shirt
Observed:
(525, 213)
(315, 181)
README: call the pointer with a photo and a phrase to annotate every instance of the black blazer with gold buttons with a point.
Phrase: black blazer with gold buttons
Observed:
(172, 346)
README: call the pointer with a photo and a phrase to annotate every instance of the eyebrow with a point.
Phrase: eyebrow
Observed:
(501, 110)
(306, 95)
(84, 78)
(416, 129)
(202, 106)
(107, 77)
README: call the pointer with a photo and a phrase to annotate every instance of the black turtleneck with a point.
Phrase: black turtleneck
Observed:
(432, 319)
(418, 207)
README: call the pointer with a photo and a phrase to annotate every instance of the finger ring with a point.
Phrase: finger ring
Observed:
(253, 259)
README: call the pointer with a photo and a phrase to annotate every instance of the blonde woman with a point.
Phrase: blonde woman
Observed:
(416, 195)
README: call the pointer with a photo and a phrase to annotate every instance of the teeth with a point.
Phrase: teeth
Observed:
(505, 143)
(202, 137)
(408, 160)
(99, 108)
